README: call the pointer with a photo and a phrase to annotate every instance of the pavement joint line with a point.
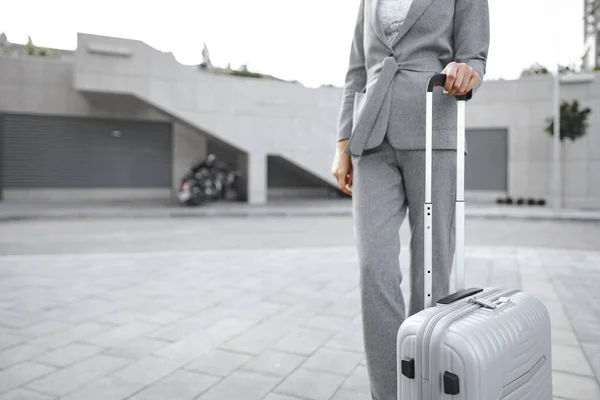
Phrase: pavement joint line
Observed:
(314, 249)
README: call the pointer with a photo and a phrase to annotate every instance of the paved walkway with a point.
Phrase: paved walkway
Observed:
(244, 325)
(10, 211)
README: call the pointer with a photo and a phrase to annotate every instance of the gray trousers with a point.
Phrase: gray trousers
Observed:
(387, 182)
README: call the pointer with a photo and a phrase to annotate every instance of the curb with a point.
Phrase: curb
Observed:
(477, 213)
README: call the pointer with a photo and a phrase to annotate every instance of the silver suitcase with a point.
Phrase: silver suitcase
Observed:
(476, 344)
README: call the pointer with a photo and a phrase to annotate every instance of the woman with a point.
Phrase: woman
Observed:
(380, 159)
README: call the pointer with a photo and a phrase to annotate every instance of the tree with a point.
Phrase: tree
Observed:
(244, 72)
(573, 121)
(568, 69)
(32, 50)
(538, 69)
(535, 69)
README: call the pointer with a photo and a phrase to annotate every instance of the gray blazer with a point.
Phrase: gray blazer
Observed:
(386, 84)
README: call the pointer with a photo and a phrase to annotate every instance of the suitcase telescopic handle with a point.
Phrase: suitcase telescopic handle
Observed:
(459, 253)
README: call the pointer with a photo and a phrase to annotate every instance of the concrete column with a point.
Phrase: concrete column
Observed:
(257, 178)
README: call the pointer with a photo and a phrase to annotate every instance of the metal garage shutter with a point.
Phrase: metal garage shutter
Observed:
(486, 162)
(66, 152)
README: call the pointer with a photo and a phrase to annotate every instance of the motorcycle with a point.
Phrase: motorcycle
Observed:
(227, 182)
(208, 181)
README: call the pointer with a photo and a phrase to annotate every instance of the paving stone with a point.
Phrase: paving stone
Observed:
(45, 328)
(63, 338)
(585, 326)
(17, 320)
(68, 355)
(19, 353)
(328, 322)
(274, 363)
(8, 339)
(24, 394)
(117, 318)
(20, 374)
(344, 394)
(258, 338)
(219, 362)
(108, 387)
(358, 381)
(120, 334)
(180, 385)
(334, 361)
(163, 317)
(88, 309)
(74, 377)
(592, 351)
(252, 385)
(313, 385)
(570, 359)
(184, 327)
(348, 306)
(148, 370)
(137, 348)
(291, 318)
(303, 341)
(192, 347)
(575, 387)
(285, 300)
(558, 315)
(348, 340)
(275, 396)
(565, 337)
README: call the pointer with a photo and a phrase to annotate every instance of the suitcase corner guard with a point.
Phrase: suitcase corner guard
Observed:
(451, 383)
(408, 368)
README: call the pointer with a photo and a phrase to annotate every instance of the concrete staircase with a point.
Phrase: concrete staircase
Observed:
(257, 116)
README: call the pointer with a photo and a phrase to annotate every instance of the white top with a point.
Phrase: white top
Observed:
(392, 13)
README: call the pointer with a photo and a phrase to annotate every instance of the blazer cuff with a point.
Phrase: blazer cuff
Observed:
(343, 136)
(479, 67)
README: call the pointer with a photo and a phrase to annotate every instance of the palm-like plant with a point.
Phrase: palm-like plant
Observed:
(573, 121)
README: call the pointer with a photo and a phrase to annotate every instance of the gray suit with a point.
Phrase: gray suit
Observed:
(383, 116)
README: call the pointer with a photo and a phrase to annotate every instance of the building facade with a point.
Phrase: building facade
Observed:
(591, 34)
(119, 120)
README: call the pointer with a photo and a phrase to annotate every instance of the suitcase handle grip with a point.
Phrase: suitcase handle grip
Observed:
(454, 297)
(440, 80)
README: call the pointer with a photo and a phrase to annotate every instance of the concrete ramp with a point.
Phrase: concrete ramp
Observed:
(256, 116)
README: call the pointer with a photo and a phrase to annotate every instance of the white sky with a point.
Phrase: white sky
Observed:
(306, 40)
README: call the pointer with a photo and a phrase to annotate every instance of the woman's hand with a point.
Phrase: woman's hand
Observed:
(342, 168)
(460, 78)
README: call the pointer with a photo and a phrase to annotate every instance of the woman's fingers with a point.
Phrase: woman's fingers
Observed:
(460, 78)
(342, 171)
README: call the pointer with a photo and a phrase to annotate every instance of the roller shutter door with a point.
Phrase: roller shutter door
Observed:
(486, 163)
(66, 152)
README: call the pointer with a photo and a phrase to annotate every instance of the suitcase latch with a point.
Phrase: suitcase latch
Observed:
(489, 304)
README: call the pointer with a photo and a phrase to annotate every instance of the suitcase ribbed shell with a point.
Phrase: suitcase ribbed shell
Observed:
(500, 354)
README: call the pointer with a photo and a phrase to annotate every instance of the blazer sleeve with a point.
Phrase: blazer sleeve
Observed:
(356, 77)
(472, 36)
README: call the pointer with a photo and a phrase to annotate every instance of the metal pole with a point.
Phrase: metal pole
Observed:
(556, 141)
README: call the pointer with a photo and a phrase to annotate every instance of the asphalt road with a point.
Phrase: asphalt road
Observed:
(191, 234)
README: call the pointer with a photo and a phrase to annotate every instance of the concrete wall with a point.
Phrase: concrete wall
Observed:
(45, 86)
(257, 116)
(188, 148)
(522, 106)
(268, 118)
(264, 117)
